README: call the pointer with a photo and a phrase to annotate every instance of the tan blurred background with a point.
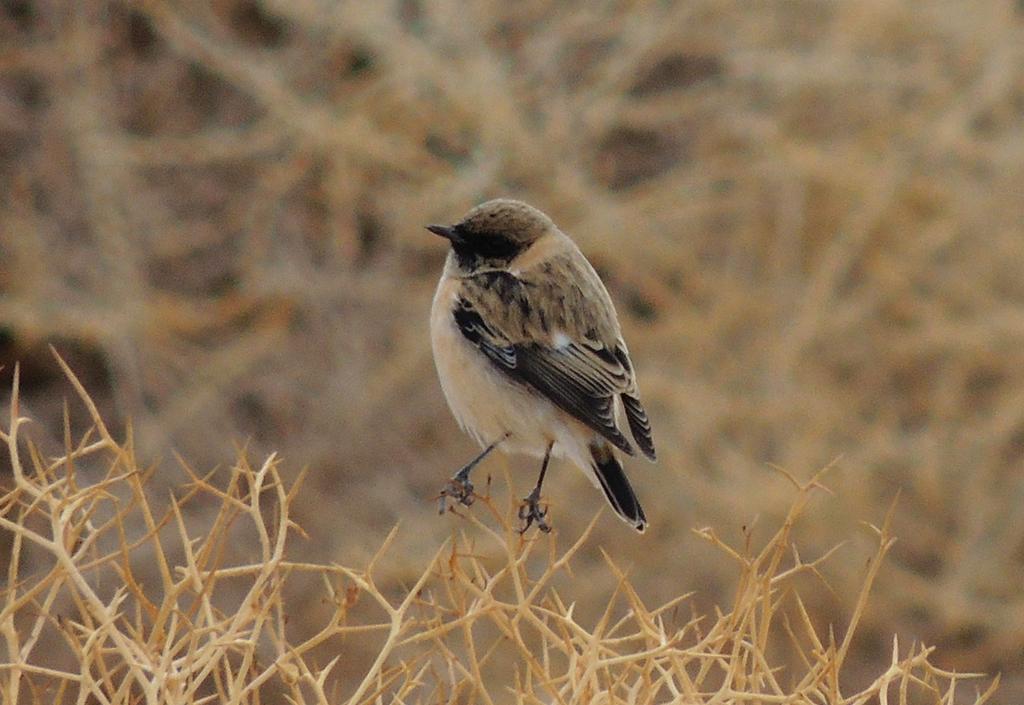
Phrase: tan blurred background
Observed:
(809, 213)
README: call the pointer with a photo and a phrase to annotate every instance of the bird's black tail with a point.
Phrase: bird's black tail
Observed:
(616, 487)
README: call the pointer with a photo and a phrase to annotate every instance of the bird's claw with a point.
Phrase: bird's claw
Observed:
(460, 490)
(530, 512)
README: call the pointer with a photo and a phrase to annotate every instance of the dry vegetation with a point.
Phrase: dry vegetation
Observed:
(490, 618)
(808, 212)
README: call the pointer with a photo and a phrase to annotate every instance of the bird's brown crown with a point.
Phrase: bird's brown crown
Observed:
(505, 219)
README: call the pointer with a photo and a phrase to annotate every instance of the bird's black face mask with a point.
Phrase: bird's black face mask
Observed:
(477, 249)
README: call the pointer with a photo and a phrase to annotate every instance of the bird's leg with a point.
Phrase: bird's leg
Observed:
(459, 487)
(529, 510)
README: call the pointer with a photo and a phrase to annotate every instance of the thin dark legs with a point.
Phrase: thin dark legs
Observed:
(459, 487)
(529, 510)
(460, 490)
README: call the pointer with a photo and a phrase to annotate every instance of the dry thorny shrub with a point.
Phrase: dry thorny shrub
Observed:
(485, 621)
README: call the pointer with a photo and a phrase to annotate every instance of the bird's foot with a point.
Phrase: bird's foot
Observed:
(459, 489)
(530, 511)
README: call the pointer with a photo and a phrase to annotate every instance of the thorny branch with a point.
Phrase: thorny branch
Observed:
(490, 611)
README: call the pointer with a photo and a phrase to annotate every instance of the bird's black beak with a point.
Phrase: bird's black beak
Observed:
(445, 231)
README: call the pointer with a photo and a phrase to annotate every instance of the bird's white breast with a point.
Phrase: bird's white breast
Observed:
(485, 402)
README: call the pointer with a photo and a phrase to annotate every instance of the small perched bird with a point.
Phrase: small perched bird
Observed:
(530, 354)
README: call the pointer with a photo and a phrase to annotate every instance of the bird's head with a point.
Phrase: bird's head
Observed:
(495, 231)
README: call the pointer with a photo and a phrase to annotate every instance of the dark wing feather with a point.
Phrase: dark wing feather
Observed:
(552, 372)
(636, 415)
(507, 319)
(559, 375)
(639, 426)
(490, 341)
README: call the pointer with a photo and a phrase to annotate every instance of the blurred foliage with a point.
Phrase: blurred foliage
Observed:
(808, 213)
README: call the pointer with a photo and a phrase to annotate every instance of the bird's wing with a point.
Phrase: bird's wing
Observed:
(558, 335)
